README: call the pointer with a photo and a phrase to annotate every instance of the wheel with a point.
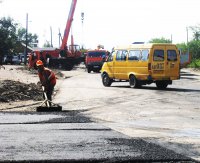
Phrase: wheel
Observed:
(161, 84)
(134, 83)
(106, 80)
(88, 70)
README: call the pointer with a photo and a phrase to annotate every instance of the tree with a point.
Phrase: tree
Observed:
(196, 32)
(47, 44)
(8, 38)
(194, 47)
(160, 40)
(31, 38)
(183, 47)
(21, 35)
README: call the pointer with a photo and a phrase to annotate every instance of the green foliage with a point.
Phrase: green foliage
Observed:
(194, 48)
(160, 40)
(195, 63)
(183, 47)
(11, 38)
(31, 38)
(47, 44)
(8, 38)
(194, 45)
(196, 32)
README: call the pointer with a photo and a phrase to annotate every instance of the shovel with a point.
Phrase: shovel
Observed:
(47, 105)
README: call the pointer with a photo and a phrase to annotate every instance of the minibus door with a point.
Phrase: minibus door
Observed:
(159, 64)
(172, 62)
(110, 63)
(120, 65)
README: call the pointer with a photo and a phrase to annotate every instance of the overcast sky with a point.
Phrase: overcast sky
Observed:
(106, 22)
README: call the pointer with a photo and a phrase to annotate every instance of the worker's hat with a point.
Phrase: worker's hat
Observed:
(39, 63)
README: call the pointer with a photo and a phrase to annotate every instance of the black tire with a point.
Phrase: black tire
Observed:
(88, 70)
(133, 82)
(161, 84)
(106, 80)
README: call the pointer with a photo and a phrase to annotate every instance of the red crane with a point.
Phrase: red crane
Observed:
(68, 25)
(64, 57)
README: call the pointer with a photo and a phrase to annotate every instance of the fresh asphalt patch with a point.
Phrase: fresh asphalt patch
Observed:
(72, 137)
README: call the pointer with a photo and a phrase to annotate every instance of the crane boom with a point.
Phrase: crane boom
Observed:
(68, 25)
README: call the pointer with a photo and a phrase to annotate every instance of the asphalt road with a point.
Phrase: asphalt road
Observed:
(169, 118)
(71, 137)
(108, 124)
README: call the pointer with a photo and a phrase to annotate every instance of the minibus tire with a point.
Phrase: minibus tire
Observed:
(106, 80)
(133, 81)
(161, 84)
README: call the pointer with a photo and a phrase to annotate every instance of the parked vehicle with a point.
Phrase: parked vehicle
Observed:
(8, 59)
(94, 60)
(21, 56)
(142, 64)
(12, 59)
(16, 60)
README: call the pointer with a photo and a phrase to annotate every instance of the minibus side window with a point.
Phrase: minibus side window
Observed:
(171, 55)
(110, 57)
(145, 55)
(158, 55)
(134, 55)
(121, 55)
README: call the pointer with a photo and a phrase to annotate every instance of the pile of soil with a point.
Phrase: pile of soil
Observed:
(17, 91)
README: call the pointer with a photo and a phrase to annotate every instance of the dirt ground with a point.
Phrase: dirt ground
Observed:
(20, 88)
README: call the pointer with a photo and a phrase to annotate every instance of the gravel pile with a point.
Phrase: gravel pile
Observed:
(17, 91)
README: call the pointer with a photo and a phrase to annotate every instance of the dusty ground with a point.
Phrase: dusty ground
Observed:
(19, 88)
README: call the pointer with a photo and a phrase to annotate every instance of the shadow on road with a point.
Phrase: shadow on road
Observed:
(188, 74)
(188, 78)
(155, 88)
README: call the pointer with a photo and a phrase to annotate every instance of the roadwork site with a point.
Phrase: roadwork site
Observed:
(97, 123)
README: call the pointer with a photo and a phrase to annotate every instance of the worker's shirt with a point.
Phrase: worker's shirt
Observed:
(47, 76)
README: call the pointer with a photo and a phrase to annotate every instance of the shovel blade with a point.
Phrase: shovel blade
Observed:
(49, 109)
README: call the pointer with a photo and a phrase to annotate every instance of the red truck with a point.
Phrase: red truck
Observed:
(94, 59)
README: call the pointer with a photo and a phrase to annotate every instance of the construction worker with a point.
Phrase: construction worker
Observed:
(47, 79)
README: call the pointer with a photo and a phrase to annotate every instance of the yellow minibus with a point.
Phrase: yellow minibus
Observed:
(142, 64)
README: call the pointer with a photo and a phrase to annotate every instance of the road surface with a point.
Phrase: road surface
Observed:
(111, 124)
(168, 117)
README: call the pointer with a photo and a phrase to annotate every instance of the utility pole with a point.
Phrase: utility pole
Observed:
(60, 37)
(82, 19)
(51, 36)
(187, 40)
(187, 34)
(26, 51)
(171, 39)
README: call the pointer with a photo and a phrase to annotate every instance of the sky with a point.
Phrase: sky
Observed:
(106, 22)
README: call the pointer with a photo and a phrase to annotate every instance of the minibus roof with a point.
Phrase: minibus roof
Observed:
(143, 46)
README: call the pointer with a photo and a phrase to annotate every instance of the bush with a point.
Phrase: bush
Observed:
(195, 63)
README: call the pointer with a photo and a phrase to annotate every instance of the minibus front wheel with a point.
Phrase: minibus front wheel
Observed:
(134, 83)
(106, 80)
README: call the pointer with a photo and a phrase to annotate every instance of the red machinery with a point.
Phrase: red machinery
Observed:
(95, 58)
(65, 57)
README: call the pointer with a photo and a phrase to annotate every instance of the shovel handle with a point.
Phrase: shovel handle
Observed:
(45, 96)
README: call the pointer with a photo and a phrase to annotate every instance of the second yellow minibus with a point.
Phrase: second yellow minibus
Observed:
(142, 64)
